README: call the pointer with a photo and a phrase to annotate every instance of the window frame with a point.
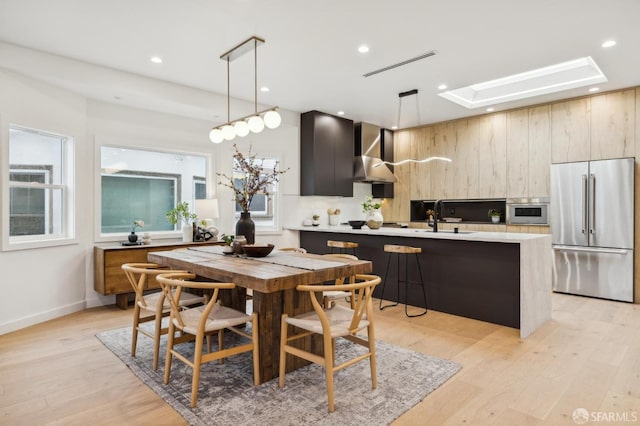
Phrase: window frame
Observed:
(274, 202)
(68, 188)
(140, 144)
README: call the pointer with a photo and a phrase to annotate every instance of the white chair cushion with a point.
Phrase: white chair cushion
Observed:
(186, 299)
(334, 294)
(339, 320)
(219, 318)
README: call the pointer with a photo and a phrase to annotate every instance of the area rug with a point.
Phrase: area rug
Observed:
(227, 395)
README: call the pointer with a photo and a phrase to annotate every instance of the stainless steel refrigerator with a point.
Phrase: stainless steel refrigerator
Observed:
(592, 222)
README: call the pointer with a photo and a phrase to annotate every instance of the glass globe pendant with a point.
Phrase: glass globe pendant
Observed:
(272, 119)
(216, 136)
(241, 128)
(256, 125)
(228, 132)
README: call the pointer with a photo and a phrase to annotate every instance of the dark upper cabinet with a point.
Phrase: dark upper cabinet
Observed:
(326, 155)
(384, 190)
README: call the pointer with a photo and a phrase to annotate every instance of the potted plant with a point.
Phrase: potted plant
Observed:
(249, 178)
(372, 210)
(228, 240)
(316, 220)
(181, 215)
(494, 215)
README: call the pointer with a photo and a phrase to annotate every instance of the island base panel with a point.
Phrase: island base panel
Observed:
(479, 280)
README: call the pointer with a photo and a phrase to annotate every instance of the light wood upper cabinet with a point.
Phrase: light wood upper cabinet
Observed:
(442, 177)
(539, 152)
(492, 156)
(517, 153)
(421, 147)
(465, 162)
(612, 125)
(570, 131)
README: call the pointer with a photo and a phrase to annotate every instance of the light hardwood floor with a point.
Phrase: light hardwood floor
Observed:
(588, 356)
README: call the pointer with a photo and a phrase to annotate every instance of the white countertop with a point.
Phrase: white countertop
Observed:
(499, 237)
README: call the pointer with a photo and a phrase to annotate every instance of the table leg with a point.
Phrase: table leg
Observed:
(269, 307)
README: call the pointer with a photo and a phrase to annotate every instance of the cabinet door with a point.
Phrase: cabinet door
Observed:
(326, 155)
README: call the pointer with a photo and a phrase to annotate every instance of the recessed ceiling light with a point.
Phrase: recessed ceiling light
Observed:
(340, 112)
(394, 127)
(442, 87)
(490, 109)
(554, 78)
(609, 43)
(264, 89)
(156, 59)
(363, 49)
(594, 89)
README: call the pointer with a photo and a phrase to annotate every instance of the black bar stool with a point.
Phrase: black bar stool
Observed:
(403, 251)
(342, 246)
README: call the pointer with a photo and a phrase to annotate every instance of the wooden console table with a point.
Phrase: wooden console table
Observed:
(108, 276)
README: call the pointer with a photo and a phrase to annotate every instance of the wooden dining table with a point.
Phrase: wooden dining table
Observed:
(273, 280)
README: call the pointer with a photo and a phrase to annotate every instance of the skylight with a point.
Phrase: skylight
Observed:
(554, 78)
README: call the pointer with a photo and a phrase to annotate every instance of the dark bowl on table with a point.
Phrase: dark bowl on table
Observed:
(356, 224)
(257, 250)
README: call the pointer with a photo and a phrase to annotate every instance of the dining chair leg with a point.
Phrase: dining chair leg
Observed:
(328, 368)
(136, 322)
(156, 340)
(256, 349)
(372, 358)
(283, 354)
(197, 361)
(221, 343)
(168, 357)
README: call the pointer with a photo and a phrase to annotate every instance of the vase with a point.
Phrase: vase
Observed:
(187, 233)
(374, 219)
(246, 227)
(132, 237)
(334, 219)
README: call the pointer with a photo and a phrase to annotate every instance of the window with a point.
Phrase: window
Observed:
(263, 207)
(40, 178)
(142, 185)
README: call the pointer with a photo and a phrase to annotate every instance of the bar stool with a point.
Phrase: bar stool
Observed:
(342, 246)
(403, 251)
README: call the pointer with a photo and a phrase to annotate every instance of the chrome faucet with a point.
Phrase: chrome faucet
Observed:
(436, 206)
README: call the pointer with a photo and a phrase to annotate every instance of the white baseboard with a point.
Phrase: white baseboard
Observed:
(39, 317)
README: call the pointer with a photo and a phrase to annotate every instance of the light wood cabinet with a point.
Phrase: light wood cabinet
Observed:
(612, 125)
(492, 156)
(570, 131)
(517, 153)
(108, 276)
(539, 151)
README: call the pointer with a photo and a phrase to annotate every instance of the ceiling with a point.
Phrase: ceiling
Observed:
(310, 58)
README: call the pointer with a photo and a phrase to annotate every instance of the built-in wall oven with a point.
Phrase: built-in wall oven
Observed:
(528, 211)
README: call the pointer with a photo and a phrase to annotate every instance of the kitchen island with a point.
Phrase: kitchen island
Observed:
(498, 277)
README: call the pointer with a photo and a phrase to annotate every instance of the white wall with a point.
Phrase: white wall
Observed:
(45, 283)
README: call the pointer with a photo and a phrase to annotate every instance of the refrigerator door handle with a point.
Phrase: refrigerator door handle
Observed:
(592, 203)
(592, 249)
(584, 204)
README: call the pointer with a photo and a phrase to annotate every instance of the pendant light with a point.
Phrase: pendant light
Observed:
(255, 122)
(409, 160)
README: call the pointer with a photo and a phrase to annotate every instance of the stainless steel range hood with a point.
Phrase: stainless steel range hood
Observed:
(364, 171)
(368, 167)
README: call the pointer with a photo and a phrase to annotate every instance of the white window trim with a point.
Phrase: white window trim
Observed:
(139, 144)
(68, 237)
(228, 207)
